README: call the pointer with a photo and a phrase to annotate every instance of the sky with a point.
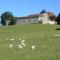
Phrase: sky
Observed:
(27, 7)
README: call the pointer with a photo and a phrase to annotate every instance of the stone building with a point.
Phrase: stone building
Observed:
(28, 19)
(35, 18)
(44, 18)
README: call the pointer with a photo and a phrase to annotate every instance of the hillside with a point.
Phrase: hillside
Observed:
(45, 40)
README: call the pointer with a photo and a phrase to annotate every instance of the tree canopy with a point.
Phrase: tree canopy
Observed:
(58, 19)
(7, 16)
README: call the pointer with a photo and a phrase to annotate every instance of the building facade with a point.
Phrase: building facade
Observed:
(35, 18)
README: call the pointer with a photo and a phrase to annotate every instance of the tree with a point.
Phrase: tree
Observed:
(58, 19)
(12, 21)
(8, 16)
(3, 21)
(52, 16)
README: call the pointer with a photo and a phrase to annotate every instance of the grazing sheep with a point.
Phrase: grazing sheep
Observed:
(33, 47)
(23, 44)
(20, 46)
(22, 41)
(10, 45)
(12, 39)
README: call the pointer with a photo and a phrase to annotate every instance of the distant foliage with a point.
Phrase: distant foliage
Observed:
(3, 21)
(58, 19)
(12, 21)
(52, 16)
(8, 16)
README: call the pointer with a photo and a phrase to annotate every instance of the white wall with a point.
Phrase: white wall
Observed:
(45, 18)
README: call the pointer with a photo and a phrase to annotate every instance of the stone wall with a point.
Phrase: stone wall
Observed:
(45, 18)
(27, 20)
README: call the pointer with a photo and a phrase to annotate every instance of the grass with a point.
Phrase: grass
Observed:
(47, 45)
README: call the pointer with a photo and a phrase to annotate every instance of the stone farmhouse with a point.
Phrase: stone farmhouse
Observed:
(36, 18)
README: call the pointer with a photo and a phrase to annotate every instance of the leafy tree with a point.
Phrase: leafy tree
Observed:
(8, 16)
(3, 21)
(58, 19)
(52, 16)
(12, 21)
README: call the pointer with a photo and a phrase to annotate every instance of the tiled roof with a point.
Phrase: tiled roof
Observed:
(30, 16)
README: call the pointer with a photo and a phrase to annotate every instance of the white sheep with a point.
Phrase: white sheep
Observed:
(23, 44)
(10, 45)
(33, 47)
(22, 41)
(12, 39)
(20, 46)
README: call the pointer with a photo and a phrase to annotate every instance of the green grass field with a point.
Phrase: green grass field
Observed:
(45, 38)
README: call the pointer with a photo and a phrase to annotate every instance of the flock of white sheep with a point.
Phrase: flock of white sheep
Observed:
(22, 43)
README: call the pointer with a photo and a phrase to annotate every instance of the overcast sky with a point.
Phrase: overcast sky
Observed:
(26, 7)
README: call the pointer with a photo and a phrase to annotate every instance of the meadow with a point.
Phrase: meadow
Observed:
(44, 38)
